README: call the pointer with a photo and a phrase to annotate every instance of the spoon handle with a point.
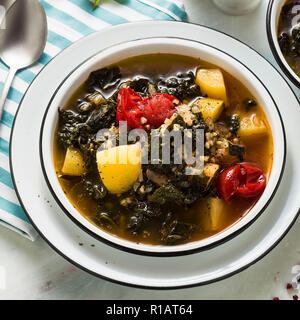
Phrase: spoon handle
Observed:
(6, 87)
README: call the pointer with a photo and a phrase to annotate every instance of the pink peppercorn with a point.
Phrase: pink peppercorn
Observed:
(289, 286)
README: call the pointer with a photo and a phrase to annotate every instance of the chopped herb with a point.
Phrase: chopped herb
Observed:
(96, 4)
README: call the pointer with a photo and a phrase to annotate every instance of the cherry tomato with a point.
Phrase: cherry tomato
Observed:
(254, 182)
(229, 181)
(243, 180)
(155, 109)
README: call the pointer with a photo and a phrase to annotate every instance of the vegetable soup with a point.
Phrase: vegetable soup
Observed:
(159, 203)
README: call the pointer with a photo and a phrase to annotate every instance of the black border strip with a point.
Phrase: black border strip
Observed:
(123, 282)
(141, 251)
(294, 80)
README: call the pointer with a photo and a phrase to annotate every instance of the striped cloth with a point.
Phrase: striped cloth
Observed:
(68, 20)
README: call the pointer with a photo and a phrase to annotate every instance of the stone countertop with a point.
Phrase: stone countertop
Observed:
(35, 271)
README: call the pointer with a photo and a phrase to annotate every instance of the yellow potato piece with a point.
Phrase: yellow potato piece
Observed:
(210, 170)
(211, 83)
(73, 164)
(210, 108)
(119, 167)
(251, 127)
(211, 213)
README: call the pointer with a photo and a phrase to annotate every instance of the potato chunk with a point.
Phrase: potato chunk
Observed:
(211, 83)
(251, 127)
(119, 167)
(210, 170)
(211, 214)
(211, 108)
(73, 164)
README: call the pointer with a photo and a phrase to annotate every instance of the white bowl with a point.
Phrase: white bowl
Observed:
(151, 46)
(273, 15)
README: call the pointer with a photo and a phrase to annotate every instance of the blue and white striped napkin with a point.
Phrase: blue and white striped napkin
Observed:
(68, 20)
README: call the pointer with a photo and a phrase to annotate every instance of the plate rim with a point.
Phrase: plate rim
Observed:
(143, 251)
(123, 282)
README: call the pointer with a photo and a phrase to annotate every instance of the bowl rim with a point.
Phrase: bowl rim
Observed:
(288, 71)
(182, 251)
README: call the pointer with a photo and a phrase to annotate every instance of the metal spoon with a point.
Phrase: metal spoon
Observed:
(6, 4)
(23, 37)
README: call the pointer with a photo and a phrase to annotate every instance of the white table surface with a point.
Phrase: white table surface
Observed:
(35, 271)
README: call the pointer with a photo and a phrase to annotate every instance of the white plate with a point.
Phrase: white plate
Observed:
(155, 272)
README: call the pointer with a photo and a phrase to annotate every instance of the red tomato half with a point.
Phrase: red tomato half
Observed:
(128, 108)
(242, 180)
(131, 107)
(158, 108)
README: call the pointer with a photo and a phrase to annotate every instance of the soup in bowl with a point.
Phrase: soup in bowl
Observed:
(283, 32)
(162, 146)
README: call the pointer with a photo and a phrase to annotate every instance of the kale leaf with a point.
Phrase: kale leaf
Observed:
(173, 230)
(181, 86)
(70, 125)
(105, 78)
(284, 42)
(237, 150)
(103, 116)
(289, 42)
(93, 189)
(107, 220)
(79, 129)
(233, 123)
(140, 85)
(136, 222)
